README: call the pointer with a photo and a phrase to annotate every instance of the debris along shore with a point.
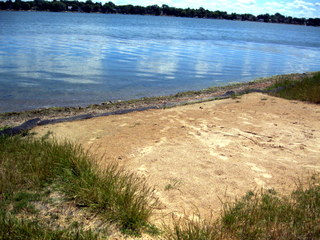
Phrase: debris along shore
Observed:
(63, 114)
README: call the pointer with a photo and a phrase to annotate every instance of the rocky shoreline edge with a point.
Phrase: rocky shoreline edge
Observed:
(26, 120)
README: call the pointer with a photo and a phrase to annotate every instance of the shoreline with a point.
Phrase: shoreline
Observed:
(240, 17)
(181, 98)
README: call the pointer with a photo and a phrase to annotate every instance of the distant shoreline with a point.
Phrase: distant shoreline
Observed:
(153, 10)
(181, 98)
(238, 20)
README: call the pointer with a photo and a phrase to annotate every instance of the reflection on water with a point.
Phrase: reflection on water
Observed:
(64, 59)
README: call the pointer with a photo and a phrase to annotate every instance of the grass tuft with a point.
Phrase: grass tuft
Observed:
(121, 196)
(186, 229)
(261, 215)
(29, 164)
(307, 89)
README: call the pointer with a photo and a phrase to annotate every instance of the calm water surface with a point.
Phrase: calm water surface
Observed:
(72, 59)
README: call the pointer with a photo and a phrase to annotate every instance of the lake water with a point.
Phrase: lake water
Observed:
(73, 59)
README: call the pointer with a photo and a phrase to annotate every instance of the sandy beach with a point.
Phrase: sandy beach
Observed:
(197, 155)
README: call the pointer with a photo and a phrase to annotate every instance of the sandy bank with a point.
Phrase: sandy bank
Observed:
(196, 154)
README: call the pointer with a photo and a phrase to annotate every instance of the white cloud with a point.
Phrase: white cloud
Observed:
(274, 5)
(247, 1)
(302, 5)
(303, 9)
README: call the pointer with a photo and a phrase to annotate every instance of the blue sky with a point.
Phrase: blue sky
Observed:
(295, 8)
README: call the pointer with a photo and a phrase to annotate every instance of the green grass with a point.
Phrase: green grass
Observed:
(30, 165)
(307, 89)
(12, 228)
(260, 215)
(22, 202)
(120, 196)
(186, 229)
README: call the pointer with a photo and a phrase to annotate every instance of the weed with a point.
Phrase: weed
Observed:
(119, 195)
(15, 229)
(152, 230)
(307, 89)
(234, 96)
(4, 128)
(260, 215)
(194, 229)
(22, 202)
(174, 184)
(29, 164)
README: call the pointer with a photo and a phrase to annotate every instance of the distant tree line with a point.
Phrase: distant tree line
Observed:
(164, 10)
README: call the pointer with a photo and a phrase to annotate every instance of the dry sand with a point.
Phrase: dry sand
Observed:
(196, 154)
